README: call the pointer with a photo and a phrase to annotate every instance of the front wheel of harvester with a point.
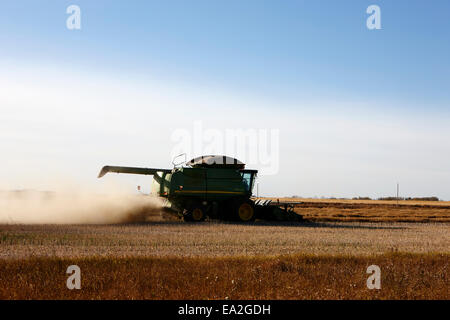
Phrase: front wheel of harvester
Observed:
(196, 214)
(245, 211)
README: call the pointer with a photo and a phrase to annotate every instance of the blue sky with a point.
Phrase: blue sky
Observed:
(280, 59)
(282, 49)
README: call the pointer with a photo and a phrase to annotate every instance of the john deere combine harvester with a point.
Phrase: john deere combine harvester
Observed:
(218, 187)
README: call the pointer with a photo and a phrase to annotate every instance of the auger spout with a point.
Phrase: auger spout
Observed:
(131, 170)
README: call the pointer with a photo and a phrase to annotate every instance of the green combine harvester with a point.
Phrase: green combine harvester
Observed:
(217, 187)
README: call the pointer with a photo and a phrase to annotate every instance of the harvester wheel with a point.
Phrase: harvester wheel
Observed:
(196, 214)
(245, 211)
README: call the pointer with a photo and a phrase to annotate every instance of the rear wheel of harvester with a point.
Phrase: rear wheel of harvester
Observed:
(195, 214)
(245, 211)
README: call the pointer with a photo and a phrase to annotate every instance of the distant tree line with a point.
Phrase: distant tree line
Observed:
(400, 198)
(411, 199)
(382, 198)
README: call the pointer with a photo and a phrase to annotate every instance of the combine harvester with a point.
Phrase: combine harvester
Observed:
(217, 187)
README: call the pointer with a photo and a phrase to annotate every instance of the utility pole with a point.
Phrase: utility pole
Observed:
(398, 191)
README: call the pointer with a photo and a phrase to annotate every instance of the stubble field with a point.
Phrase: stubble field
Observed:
(371, 210)
(316, 259)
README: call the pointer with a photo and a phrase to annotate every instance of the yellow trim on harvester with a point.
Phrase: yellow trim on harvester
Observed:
(209, 191)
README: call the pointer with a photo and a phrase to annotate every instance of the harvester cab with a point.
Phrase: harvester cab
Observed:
(212, 186)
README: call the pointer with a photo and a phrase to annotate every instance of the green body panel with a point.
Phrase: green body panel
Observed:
(202, 184)
(208, 184)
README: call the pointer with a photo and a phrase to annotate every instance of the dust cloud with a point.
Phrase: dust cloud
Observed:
(36, 207)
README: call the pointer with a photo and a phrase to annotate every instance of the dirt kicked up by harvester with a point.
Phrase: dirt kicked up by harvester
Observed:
(217, 187)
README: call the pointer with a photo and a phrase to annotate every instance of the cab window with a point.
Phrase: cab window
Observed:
(247, 179)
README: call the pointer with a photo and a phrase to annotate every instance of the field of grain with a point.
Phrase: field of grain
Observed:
(324, 257)
(215, 239)
(403, 276)
(370, 210)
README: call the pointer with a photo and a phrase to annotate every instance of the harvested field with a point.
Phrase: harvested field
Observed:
(363, 201)
(213, 239)
(370, 210)
(325, 257)
(403, 276)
